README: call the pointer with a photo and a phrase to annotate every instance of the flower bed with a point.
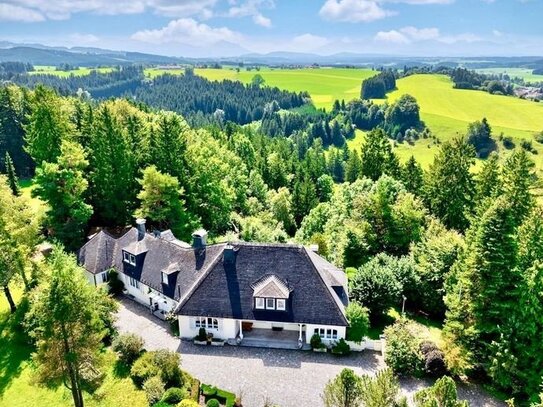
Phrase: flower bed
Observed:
(224, 397)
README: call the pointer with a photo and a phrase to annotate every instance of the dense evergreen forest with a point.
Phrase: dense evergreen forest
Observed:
(465, 249)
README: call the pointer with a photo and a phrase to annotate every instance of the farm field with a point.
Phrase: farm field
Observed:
(323, 84)
(523, 73)
(81, 71)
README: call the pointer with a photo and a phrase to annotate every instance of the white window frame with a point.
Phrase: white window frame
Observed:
(165, 278)
(260, 303)
(208, 323)
(126, 257)
(327, 333)
(132, 259)
(268, 306)
(281, 304)
(134, 283)
(104, 277)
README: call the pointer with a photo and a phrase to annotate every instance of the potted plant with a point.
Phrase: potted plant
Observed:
(316, 344)
(209, 337)
(217, 342)
(201, 338)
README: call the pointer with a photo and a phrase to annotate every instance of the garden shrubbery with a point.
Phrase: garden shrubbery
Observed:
(154, 389)
(402, 353)
(316, 342)
(174, 395)
(128, 347)
(359, 321)
(341, 348)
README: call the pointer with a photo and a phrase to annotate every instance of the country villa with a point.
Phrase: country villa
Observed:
(237, 291)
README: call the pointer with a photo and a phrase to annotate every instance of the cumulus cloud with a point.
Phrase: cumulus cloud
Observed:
(10, 12)
(251, 8)
(38, 10)
(391, 36)
(187, 31)
(355, 11)
(309, 42)
(407, 35)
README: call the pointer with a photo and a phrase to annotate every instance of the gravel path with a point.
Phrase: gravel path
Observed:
(284, 377)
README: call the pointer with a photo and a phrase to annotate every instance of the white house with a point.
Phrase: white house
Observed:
(233, 290)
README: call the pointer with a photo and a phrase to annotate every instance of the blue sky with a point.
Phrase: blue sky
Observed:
(233, 27)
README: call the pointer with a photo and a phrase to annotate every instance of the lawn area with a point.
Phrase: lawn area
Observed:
(522, 73)
(18, 387)
(26, 186)
(323, 84)
(81, 71)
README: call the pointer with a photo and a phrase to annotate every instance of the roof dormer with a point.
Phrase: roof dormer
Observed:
(271, 293)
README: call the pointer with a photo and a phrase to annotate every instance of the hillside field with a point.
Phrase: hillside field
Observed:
(522, 73)
(323, 84)
(81, 71)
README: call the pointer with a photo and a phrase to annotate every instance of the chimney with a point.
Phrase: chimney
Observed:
(229, 254)
(140, 224)
(199, 239)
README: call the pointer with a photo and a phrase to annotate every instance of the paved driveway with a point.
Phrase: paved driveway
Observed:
(284, 377)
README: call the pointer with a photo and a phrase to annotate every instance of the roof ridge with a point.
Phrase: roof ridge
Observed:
(335, 298)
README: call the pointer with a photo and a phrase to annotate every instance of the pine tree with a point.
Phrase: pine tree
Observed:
(412, 176)
(518, 179)
(304, 198)
(449, 186)
(489, 183)
(12, 177)
(353, 167)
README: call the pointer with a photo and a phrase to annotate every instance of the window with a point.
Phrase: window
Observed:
(134, 283)
(281, 304)
(132, 260)
(105, 277)
(326, 333)
(129, 258)
(270, 303)
(126, 257)
(259, 303)
(164, 278)
(208, 323)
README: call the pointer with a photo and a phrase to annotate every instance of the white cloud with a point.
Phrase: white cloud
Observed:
(10, 12)
(307, 42)
(63, 9)
(419, 2)
(187, 31)
(80, 39)
(251, 8)
(497, 33)
(464, 37)
(391, 36)
(353, 11)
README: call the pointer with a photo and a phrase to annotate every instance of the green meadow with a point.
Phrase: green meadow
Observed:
(81, 71)
(522, 73)
(323, 84)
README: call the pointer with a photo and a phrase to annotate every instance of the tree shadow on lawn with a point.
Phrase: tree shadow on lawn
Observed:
(14, 346)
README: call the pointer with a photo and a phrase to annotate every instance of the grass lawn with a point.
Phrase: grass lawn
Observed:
(81, 71)
(324, 84)
(26, 186)
(522, 73)
(18, 387)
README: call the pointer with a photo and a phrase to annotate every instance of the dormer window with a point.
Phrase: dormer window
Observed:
(281, 304)
(270, 303)
(129, 258)
(259, 303)
(164, 278)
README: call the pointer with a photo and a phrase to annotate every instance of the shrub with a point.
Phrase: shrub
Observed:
(208, 390)
(316, 341)
(116, 286)
(213, 403)
(144, 368)
(174, 395)
(539, 137)
(359, 321)
(341, 348)
(427, 347)
(188, 403)
(508, 142)
(434, 363)
(129, 347)
(202, 335)
(154, 389)
(402, 352)
(162, 404)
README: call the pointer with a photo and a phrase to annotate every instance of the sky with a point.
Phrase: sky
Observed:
(198, 28)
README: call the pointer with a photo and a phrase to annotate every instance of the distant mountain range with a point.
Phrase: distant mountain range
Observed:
(38, 54)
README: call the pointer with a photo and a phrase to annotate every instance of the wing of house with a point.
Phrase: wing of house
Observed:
(231, 290)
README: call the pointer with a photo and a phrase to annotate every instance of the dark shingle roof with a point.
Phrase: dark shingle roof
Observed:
(104, 252)
(226, 290)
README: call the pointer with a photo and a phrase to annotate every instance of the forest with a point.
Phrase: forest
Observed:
(463, 247)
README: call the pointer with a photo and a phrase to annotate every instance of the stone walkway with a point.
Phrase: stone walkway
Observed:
(284, 377)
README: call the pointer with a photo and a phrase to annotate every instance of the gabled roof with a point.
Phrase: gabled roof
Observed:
(271, 286)
(226, 290)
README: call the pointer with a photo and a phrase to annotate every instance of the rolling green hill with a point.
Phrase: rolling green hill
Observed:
(323, 84)
(51, 70)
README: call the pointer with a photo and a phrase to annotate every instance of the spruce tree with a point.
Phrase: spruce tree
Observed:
(12, 177)
(489, 183)
(377, 156)
(518, 180)
(353, 167)
(412, 176)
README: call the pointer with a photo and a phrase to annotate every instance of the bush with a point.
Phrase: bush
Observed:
(174, 395)
(427, 347)
(116, 286)
(188, 403)
(154, 389)
(208, 390)
(434, 363)
(213, 403)
(316, 341)
(202, 335)
(508, 143)
(341, 348)
(129, 347)
(402, 352)
(162, 404)
(359, 321)
(162, 363)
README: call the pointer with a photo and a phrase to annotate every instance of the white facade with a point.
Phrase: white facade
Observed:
(97, 280)
(146, 295)
(227, 328)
